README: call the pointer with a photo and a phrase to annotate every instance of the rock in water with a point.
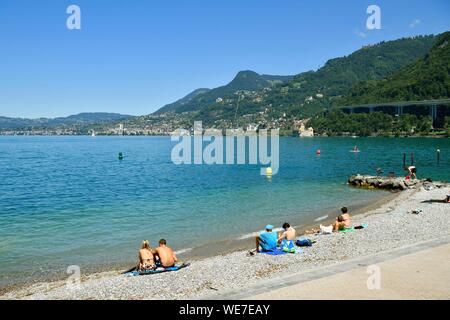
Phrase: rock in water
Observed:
(388, 183)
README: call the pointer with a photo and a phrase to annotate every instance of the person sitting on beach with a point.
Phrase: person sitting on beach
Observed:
(343, 221)
(447, 199)
(165, 254)
(268, 240)
(412, 170)
(339, 224)
(146, 258)
(287, 238)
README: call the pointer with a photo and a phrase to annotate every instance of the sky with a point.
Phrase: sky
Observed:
(133, 57)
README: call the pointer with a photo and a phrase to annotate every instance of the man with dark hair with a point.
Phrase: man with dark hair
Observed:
(165, 254)
(343, 221)
(288, 234)
(287, 238)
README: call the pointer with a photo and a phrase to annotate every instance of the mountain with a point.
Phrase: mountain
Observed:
(244, 81)
(86, 118)
(179, 103)
(313, 91)
(307, 93)
(425, 79)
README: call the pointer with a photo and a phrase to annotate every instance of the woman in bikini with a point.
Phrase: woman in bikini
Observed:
(146, 259)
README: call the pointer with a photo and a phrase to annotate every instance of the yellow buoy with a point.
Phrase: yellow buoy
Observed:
(269, 171)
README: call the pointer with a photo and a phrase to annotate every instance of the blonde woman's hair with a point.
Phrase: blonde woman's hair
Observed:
(145, 244)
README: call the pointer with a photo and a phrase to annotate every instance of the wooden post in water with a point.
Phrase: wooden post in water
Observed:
(404, 159)
(438, 154)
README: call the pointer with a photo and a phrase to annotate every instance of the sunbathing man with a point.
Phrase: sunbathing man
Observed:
(267, 240)
(343, 221)
(165, 254)
(146, 259)
(287, 238)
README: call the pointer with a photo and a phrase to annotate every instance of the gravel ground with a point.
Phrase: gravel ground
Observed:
(389, 226)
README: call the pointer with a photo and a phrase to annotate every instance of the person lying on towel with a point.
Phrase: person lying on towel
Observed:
(166, 256)
(267, 240)
(287, 238)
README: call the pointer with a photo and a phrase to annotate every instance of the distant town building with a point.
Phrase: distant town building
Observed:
(306, 132)
(302, 130)
(252, 127)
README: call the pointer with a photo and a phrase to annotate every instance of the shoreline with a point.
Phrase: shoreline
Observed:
(219, 247)
(437, 136)
(234, 270)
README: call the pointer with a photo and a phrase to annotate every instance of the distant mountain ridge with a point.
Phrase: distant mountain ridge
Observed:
(179, 103)
(246, 80)
(85, 118)
(424, 79)
(307, 93)
(406, 68)
(299, 97)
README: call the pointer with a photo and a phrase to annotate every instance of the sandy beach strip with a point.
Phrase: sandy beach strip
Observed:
(414, 275)
(390, 226)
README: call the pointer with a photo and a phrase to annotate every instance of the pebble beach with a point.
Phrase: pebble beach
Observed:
(390, 225)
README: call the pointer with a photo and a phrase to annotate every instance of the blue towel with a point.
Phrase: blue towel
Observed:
(276, 252)
(159, 270)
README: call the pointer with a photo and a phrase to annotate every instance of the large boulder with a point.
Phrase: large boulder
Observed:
(375, 182)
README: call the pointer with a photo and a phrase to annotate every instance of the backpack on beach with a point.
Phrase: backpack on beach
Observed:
(304, 242)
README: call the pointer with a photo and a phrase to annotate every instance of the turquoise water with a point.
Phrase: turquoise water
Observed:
(69, 201)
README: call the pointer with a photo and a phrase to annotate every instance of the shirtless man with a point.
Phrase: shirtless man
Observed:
(288, 234)
(343, 221)
(166, 256)
(287, 238)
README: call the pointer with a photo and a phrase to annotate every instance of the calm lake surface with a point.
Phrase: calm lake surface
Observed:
(70, 201)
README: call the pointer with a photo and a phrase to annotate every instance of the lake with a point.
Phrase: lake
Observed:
(69, 200)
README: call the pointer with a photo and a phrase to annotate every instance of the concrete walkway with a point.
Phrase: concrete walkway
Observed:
(421, 271)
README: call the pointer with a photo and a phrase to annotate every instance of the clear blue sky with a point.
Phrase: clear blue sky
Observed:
(133, 57)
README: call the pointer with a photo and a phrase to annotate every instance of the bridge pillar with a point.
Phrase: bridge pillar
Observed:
(371, 109)
(398, 111)
(433, 111)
